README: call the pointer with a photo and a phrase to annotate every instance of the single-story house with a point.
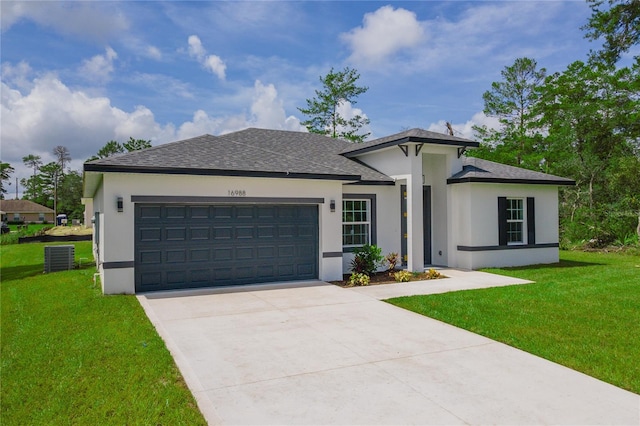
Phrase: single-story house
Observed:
(261, 205)
(25, 211)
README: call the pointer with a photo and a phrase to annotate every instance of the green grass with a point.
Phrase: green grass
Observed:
(583, 312)
(70, 355)
(16, 233)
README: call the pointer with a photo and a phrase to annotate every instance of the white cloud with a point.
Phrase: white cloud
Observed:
(51, 114)
(99, 67)
(17, 75)
(266, 112)
(383, 33)
(465, 130)
(153, 53)
(212, 63)
(99, 21)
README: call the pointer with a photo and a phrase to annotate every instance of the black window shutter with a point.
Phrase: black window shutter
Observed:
(502, 221)
(531, 221)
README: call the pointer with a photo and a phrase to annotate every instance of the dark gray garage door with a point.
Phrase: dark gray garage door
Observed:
(187, 246)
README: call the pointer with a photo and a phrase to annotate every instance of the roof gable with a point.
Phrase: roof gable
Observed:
(23, 206)
(412, 135)
(479, 170)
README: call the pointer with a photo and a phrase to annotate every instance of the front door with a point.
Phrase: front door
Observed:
(426, 223)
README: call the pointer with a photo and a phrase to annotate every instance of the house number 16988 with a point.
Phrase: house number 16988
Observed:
(237, 193)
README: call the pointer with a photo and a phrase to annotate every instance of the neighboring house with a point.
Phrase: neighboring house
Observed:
(266, 205)
(25, 211)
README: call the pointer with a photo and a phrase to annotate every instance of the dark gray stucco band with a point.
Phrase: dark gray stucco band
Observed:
(513, 247)
(225, 200)
(331, 254)
(118, 265)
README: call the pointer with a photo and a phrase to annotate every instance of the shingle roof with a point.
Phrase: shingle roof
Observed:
(23, 206)
(478, 170)
(412, 135)
(250, 152)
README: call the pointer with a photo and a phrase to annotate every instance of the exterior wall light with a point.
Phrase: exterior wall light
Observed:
(332, 205)
(119, 204)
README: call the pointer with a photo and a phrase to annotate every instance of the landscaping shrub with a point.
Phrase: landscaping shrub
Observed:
(403, 276)
(433, 274)
(366, 259)
(357, 279)
(392, 261)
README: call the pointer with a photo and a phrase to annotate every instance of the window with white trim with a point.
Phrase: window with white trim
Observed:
(356, 223)
(515, 221)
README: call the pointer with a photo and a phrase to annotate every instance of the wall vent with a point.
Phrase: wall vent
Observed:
(58, 258)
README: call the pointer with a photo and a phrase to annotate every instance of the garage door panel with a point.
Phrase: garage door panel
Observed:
(176, 212)
(222, 212)
(244, 253)
(199, 254)
(222, 233)
(174, 278)
(266, 232)
(267, 252)
(245, 212)
(223, 254)
(150, 234)
(200, 276)
(199, 212)
(150, 212)
(181, 246)
(244, 232)
(150, 279)
(222, 274)
(176, 234)
(200, 233)
(286, 231)
(150, 257)
(176, 256)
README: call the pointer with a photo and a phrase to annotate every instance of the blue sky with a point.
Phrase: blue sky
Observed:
(80, 74)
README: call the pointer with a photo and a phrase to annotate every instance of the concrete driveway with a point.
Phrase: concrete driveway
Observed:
(314, 353)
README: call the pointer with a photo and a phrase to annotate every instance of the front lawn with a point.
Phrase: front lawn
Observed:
(70, 355)
(583, 313)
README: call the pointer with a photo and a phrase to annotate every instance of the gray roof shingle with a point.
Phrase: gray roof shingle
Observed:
(281, 153)
(412, 135)
(250, 152)
(479, 170)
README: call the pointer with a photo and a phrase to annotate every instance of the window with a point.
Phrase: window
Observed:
(41, 217)
(356, 222)
(515, 221)
(16, 217)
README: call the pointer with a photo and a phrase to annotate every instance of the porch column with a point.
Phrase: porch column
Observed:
(415, 246)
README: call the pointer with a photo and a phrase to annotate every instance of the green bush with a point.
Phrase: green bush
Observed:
(357, 279)
(366, 259)
(403, 276)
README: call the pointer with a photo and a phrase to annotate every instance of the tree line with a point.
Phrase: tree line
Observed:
(58, 187)
(583, 123)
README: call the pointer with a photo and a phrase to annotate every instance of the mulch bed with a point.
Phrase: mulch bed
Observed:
(384, 277)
